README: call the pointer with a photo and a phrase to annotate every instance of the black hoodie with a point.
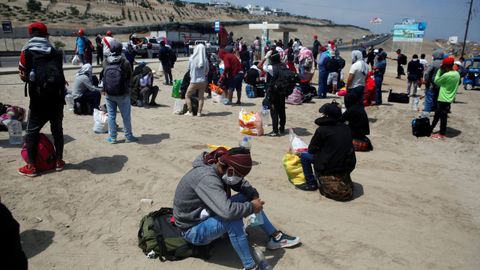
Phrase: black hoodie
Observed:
(332, 148)
(356, 116)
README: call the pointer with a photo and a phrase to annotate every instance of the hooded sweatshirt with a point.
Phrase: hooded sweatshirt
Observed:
(332, 148)
(355, 117)
(198, 65)
(83, 82)
(448, 83)
(203, 189)
(359, 69)
(433, 68)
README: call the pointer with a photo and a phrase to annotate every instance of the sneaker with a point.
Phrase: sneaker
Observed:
(28, 170)
(273, 134)
(282, 240)
(59, 165)
(199, 114)
(188, 114)
(111, 140)
(438, 136)
(131, 139)
(307, 187)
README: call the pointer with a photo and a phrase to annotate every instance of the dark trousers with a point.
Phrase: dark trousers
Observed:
(441, 114)
(378, 89)
(277, 112)
(167, 70)
(148, 91)
(90, 97)
(358, 91)
(36, 121)
(99, 56)
(400, 71)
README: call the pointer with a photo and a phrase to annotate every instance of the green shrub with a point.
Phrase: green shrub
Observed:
(33, 5)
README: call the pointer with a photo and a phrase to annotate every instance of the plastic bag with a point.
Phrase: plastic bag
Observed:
(216, 98)
(250, 123)
(297, 145)
(176, 88)
(293, 168)
(215, 88)
(178, 106)
(76, 60)
(100, 121)
(296, 98)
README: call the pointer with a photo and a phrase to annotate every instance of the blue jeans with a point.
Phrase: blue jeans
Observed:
(429, 94)
(322, 82)
(123, 103)
(214, 227)
(378, 89)
(307, 161)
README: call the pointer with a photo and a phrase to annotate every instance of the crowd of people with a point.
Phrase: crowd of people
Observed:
(204, 207)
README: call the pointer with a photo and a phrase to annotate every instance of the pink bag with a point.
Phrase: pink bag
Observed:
(45, 159)
(296, 98)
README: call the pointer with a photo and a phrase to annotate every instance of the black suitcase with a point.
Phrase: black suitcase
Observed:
(398, 97)
(421, 127)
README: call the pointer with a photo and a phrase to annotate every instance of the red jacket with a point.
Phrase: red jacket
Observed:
(232, 65)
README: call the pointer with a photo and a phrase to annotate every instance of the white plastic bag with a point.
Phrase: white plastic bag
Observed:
(100, 121)
(75, 60)
(178, 106)
(216, 98)
(297, 145)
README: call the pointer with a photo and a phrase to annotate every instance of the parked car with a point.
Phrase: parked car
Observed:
(211, 47)
(151, 47)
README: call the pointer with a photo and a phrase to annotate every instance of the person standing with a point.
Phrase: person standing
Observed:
(116, 80)
(316, 48)
(357, 74)
(424, 63)
(165, 57)
(323, 72)
(379, 72)
(198, 67)
(401, 60)
(245, 58)
(41, 67)
(275, 96)
(414, 74)
(431, 89)
(232, 74)
(448, 80)
(80, 45)
(98, 41)
(257, 45)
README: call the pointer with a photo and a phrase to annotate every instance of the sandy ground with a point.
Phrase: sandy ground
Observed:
(416, 203)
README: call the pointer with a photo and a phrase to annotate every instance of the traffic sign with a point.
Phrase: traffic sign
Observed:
(216, 26)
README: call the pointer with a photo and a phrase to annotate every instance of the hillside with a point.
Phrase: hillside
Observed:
(103, 13)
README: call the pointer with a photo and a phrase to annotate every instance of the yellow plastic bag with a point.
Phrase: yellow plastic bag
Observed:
(293, 168)
(214, 147)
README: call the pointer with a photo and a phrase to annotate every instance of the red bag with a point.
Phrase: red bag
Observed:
(369, 93)
(45, 159)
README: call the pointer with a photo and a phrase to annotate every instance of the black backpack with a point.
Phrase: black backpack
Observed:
(159, 234)
(285, 81)
(402, 59)
(398, 97)
(48, 81)
(421, 127)
(113, 80)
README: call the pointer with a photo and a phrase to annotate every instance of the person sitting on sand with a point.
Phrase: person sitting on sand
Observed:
(332, 155)
(204, 209)
(198, 67)
(84, 92)
(356, 119)
(143, 93)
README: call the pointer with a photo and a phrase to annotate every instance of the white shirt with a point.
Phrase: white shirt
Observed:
(358, 76)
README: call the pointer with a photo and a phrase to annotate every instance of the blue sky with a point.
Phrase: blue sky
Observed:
(444, 17)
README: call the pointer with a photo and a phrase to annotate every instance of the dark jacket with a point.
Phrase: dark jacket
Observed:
(12, 255)
(415, 70)
(316, 47)
(355, 117)
(332, 148)
(165, 56)
(202, 189)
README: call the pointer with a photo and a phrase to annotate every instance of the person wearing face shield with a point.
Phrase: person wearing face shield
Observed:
(204, 208)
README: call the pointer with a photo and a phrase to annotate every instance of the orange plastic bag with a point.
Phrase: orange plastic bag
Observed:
(215, 88)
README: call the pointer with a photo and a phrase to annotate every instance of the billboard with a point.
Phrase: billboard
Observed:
(409, 32)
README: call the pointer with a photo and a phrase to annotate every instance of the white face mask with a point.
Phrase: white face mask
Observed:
(230, 178)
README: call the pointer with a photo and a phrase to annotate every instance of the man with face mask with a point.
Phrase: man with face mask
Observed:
(205, 210)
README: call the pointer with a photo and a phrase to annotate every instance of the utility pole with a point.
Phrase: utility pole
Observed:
(466, 30)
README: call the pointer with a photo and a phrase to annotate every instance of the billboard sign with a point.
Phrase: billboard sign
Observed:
(409, 32)
(216, 26)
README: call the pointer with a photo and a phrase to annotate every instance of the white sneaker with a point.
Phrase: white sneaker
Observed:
(199, 114)
(188, 114)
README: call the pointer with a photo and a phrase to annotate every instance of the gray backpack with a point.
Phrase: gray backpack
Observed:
(113, 80)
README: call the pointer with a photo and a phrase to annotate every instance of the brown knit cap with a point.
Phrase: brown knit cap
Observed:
(239, 159)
